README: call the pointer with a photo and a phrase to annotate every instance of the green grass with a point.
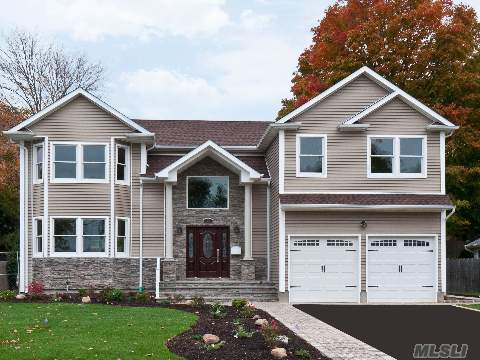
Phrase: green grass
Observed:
(473, 306)
(77, 331)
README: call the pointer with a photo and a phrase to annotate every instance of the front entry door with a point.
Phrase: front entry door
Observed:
(208, 252)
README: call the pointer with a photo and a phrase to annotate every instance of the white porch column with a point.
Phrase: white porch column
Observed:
(248, 222)
(168, 221)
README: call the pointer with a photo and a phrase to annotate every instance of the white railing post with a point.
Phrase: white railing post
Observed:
(157, 279)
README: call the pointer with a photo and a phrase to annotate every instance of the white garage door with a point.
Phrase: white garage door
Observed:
(324, 269)
(401, 269)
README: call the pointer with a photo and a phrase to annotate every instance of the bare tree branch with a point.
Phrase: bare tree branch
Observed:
(34, 74)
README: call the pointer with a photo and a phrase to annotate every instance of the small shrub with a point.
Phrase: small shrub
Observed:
(303, 354)
(198, 301)
(248, 311)
(237, 321)
(218, 311)
(109, 295)
(7, 294)
(142, 297)
(36, 288)
(242, 333)
(164, 302)
(197, 337)
(177, 298)
(239, 303)
(82, 292)
(214, 347)
(270, 333)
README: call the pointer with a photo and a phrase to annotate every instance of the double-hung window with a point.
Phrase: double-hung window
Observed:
(311, 155)
(75, 236)
(38, 236)
(122, 237)
(397, 156)
(38, 163)
(122, 165)
(79, 162)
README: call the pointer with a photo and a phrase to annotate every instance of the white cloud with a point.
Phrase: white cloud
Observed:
(92, 20)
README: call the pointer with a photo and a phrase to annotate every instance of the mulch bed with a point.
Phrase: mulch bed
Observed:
(235, 348)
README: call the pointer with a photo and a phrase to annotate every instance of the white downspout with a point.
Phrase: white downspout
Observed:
(269, 217)
(21, 275)
(140, 255)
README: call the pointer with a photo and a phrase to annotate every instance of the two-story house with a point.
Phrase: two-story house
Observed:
(342, 200)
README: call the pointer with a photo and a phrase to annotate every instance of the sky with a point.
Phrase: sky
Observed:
(182, 59)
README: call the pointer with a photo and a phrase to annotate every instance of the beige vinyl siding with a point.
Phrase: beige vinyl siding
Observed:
(272, 163)
(80, 120)
(347, 151)
(259, 220)
(153, 237)
(339, 222)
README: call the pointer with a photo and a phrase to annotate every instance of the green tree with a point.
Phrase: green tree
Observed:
(429, 48)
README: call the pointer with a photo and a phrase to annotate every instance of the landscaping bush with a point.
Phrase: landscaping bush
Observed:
(178, 298)
(198, 301)
(239, 303)
(36, 288)
(82, 292)
(214, 347)
(142, 297)
(218, 311)
(242, 333)
(109, 295)
(7, 294)
(270, 333)
(303, 354)
(248, 311)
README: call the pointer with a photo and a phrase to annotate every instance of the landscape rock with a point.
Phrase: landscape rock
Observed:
(256, 317)
(20, 297)
(210, 339)
(86, 300)
(279, 353)
(261, 322)
(189, 302)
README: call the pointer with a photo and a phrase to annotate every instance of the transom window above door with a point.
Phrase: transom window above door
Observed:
(397, 156)
(207, 192)
(311, 155)
(72, 162)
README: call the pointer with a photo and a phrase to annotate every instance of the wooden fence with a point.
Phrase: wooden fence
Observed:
(463, 275)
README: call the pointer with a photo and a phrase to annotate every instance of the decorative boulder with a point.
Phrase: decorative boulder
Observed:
(210, 339)
(86, 300)
(261, 322)
(256, 317)
(279, 353)
(20, 297)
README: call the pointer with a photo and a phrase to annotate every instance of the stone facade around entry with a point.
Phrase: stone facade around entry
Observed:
(233, 217)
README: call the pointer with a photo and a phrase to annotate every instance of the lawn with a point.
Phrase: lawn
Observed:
(77, 331)
(473, 306)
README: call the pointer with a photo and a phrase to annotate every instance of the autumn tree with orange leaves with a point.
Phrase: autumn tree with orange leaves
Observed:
(428, 48)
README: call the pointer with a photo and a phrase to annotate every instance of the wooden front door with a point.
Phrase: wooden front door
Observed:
(208, 251)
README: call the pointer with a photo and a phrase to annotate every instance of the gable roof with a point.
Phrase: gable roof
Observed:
(192, 133)
(69, 98)
(209, 148)
(395, 92)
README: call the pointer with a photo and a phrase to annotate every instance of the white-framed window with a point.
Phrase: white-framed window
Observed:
(207, 192)
(38, 161)
(79, 236)
(311, 156)
(38, 236)
(79, 162)
(396, 156)
(122, 168)
(122, 236)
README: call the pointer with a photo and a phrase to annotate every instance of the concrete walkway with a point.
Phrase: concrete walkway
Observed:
(330, 341)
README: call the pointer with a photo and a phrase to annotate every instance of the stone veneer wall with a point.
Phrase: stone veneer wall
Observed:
(97, 273)
(232, 217)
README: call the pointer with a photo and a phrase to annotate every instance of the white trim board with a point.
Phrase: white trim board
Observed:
(70, 97)
(380, 81)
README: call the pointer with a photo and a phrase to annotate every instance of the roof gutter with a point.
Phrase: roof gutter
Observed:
(307, 207)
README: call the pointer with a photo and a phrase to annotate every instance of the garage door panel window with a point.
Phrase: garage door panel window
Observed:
(384, 243)
(307, 242)
(418, 243)
(338, 242)
(397, 156)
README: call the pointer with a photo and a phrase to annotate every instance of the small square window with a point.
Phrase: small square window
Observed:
(311, 157)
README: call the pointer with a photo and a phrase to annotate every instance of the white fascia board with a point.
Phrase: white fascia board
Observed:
(353, 127)
(372, 108)
(380, 81)
(306, 207)
(170, 172)
(68, 98)
(435, 127)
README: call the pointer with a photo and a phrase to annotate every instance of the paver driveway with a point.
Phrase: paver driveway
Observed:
(395, 329)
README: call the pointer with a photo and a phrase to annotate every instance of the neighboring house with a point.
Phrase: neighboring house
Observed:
(342, 200)
(474, 248)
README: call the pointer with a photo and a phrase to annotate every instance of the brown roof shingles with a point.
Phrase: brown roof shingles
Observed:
(367, 199)
(196, 132)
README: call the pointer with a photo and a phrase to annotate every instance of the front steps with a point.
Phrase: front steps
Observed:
(220, 289)
(457, 299)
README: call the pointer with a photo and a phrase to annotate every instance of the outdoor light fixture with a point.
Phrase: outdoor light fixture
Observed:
(179, 229)
(236, 229)
(363, 224)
